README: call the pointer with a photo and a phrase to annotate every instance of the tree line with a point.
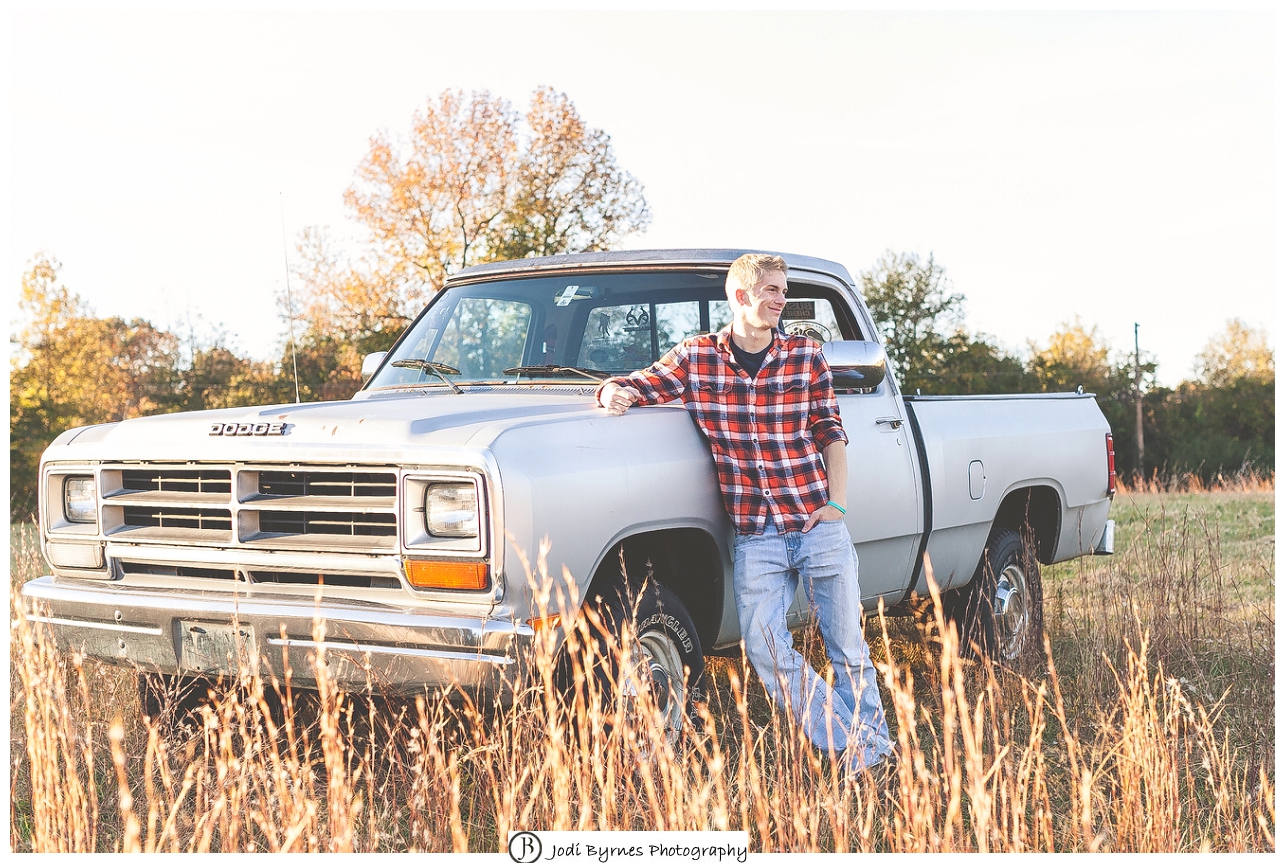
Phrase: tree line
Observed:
(1221, 421)
(475, 181)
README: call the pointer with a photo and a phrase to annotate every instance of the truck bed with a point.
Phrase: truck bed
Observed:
(980, 451)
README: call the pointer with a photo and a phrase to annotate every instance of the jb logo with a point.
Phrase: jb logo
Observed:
(525, 847)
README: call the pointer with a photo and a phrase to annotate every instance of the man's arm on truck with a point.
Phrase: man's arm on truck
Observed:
(663, 381)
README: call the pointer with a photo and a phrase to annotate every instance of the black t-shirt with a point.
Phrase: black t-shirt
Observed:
(750, 362)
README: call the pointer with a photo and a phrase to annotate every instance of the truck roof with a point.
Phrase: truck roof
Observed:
(659, 257)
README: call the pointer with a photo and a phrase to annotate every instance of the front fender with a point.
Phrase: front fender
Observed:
(578, 486)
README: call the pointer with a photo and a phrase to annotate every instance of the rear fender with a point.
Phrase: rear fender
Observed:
(1035, 508)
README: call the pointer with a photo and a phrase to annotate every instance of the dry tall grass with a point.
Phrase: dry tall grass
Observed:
(1245, 479)
(990, 761)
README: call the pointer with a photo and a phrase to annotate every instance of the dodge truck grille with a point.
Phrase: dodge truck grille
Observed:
(132, 568)
(192, 519)
(336, 523)
(194, 481)
(296, 507)
(335, 580)
(301, 483)
(381, 582)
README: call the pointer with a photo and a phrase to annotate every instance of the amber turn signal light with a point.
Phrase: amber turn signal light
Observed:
(447, 574)
(539, 624)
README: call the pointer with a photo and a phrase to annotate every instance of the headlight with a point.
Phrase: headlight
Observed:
(450, 509)
(80, 499)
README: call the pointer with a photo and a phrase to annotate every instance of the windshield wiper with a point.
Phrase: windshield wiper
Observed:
(556, 372)
(439, 369)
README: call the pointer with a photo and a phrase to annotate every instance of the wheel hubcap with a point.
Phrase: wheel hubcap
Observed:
(657, 661)
(1012, 611)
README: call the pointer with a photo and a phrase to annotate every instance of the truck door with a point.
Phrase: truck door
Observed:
(885, 510)
(885, 506)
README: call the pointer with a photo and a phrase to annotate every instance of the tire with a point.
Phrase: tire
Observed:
(1000, 613)
(667, 651)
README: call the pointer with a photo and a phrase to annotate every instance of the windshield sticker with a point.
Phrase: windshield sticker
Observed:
(574, 292)
(800, 310)
(813, 330)
(635, 356)
(639, 319)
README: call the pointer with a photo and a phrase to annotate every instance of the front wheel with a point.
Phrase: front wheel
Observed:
(1000, 613)
(665, 651)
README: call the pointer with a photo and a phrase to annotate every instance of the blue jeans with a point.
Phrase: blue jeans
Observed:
(847, 720)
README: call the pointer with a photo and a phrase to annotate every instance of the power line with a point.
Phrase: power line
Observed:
(1137, 387)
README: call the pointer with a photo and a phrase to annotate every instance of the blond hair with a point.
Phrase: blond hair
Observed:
(747, 270)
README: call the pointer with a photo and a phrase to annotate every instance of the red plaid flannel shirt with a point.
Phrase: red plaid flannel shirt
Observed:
(767, 433)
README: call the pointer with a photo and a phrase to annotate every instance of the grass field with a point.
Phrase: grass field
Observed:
(1197, 573)
(1152, 729)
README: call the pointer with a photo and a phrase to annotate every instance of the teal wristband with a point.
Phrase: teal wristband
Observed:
(836, 506)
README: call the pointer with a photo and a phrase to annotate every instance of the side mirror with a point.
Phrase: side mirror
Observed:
(856, 365)
(371, 363)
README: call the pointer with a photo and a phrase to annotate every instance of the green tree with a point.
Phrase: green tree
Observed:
(920, 322)
(1238, 352)
(1225, 419)
(974, 365)
(1210, 430)
(1216, 424)
(470, 184)
(914, 310)
(73, 369)
(1078, 357)
(218, 378)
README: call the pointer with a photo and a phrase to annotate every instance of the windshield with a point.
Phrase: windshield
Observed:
(578, 327)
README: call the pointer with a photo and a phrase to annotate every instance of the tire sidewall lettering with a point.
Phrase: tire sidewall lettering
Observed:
(668, 621)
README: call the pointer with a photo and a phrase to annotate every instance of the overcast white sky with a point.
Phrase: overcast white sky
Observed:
(1116, 166)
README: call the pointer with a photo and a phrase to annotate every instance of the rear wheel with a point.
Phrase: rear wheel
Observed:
(1000, 613)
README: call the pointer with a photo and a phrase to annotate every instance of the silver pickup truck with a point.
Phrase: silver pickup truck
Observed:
(402, 516)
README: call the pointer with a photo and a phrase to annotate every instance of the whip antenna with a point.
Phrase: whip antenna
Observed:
(285, 256)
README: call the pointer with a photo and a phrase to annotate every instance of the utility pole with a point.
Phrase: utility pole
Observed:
(1137, 391)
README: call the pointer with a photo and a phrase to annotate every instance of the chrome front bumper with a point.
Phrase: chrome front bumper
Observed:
(394, 649)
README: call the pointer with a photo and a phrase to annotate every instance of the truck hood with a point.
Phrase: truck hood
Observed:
(327, 431)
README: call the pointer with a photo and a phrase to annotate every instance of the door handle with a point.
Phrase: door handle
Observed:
(892, 422)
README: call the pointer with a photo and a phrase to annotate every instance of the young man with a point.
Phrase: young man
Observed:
(766, 403)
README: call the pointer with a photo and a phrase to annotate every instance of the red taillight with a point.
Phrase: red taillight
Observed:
(1110, 465)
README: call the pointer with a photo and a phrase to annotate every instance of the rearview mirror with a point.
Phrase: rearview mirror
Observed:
(856, 365)
(370, 364)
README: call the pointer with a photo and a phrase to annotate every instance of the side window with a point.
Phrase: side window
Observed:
(720, 314)
(631, 336)
(675, 322)
(484, 337)
(813, 318)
